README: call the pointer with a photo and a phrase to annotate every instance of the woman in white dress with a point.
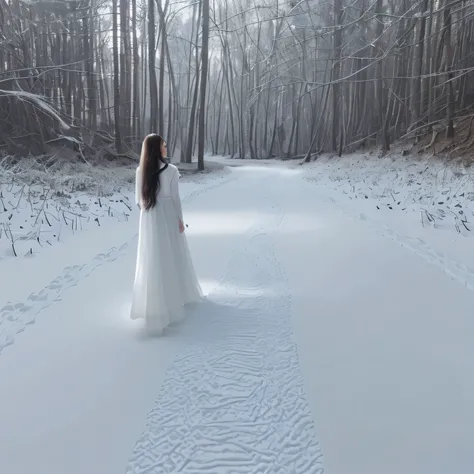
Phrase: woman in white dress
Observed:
(165, 279)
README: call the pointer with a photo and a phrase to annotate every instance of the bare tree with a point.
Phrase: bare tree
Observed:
(287, 78)
(204, 67)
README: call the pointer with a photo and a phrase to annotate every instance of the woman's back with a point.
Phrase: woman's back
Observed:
(168, 186)
(167, 178)
(165, 279)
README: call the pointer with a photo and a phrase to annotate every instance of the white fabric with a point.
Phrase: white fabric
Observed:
(165, 279)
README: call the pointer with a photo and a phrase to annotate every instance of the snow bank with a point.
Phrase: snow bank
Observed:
(425, 204)
(41, 205)
(45, 201)
(92, 228)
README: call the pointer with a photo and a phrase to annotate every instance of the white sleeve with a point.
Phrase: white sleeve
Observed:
(175, 195)
(138, 187)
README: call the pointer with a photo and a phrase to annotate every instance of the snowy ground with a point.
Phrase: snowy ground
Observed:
(424, 204)
(322, 344)
(45, 202)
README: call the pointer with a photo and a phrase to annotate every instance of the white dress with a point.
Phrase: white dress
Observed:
(165, 279)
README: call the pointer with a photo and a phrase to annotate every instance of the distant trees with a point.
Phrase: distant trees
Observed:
(243, 78)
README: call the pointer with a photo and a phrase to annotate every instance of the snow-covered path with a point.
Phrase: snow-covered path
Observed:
(319, 336)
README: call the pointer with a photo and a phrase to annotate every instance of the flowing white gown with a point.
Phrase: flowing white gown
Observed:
(165, 279)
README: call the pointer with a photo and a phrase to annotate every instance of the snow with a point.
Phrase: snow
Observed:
(335, 335)
(424, 204)
(43, 204)
(51, 254)
(385, 345)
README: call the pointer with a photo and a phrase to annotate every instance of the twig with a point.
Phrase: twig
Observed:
(12, 240)
(128, 207)
(42, 207)
(19, 199)
(3, 204)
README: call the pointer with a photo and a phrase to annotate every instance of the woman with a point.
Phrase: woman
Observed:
(165, 279)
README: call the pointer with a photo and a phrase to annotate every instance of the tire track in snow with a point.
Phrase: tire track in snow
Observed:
(15, 317)
(233, 401)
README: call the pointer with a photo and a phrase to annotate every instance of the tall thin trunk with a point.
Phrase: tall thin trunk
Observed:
(336, 72)
(192, 116)
(448, 49)
(118, 136)
(161, 102)
(136, 125)
(151, 67)
(204, 67)
(420, 47)
(380, 88)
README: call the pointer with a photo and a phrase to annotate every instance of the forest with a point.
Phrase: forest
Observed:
(249, 78)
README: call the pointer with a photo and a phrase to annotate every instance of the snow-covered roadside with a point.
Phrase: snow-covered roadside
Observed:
(299, 317)
(438, 194)
(29, 284)
(42, 205)
(425, 204)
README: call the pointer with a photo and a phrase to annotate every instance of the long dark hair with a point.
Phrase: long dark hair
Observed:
(150, 161)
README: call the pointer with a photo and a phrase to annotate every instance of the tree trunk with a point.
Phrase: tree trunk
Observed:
(204, 68)
(448, 49)
(136, 125)
(336, 72)
(151, 67)
(118, 136)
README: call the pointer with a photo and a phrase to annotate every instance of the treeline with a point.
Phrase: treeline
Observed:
(243, 78)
